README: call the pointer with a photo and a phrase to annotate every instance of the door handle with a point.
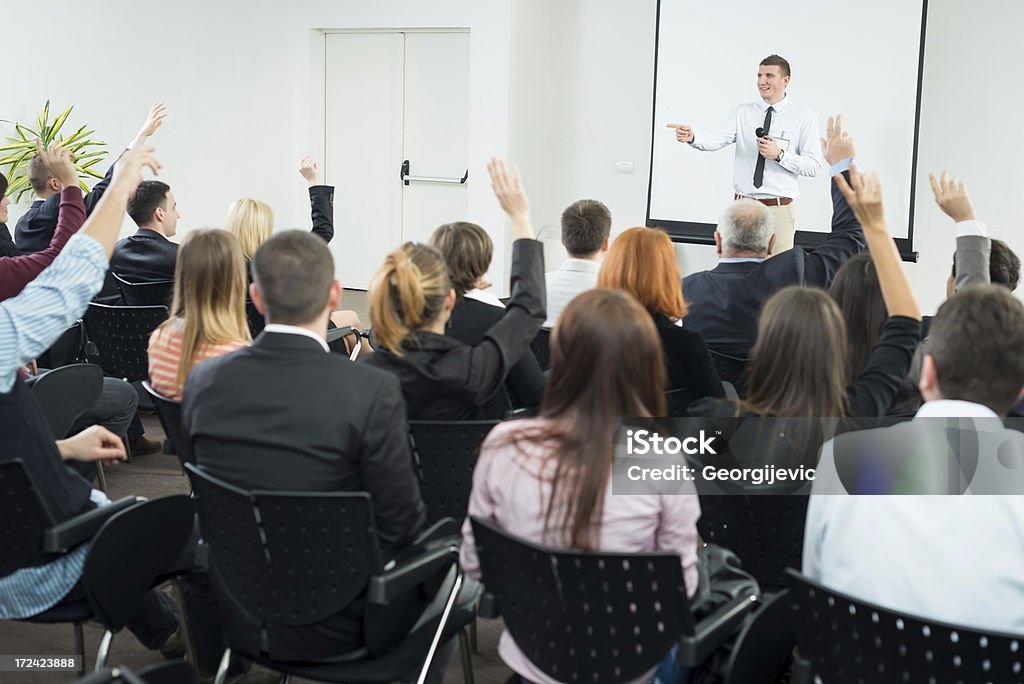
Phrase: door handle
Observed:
(406, 178)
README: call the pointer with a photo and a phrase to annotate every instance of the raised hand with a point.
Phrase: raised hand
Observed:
(951, 196)
(58, 160)
(308, 170)
(837, 145)
(508, 188)
(128, 169)
(153, 121)
(864, 195)
(684, 133)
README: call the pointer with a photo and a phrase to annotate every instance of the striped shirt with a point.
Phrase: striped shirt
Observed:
(165, 357)
(29, 324)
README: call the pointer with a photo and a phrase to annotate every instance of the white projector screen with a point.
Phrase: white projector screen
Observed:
(862, 60)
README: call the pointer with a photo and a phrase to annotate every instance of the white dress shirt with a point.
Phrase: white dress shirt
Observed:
(573, 277)
(296, 330)
(950, 558)
(791, 122)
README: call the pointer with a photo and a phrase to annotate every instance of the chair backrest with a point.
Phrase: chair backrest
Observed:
(445, 454)
(254, 318)
(153, 534)
(155, 293)
(169, 413)
(765, 530)
(731, 369)
(290, 558)
(24, 517)
(118, 338)
(542, 349)
(585, 617)
(842, 639)
(66, 393)
(69, 348)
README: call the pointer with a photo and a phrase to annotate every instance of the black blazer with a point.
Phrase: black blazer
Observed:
(687, 360)
(284, 414)
(726, 301)
(145, 257)
(444, 379)
(7, 246)
(470, 321)
(34, 230)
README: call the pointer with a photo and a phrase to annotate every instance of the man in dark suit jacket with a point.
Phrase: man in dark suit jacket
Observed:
(726, 301)
(286, 414)
(34, 229)
(148, 256)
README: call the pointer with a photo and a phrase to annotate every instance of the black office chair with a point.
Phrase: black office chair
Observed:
(65, 394)
(169, 413)
(842, 639)
(764, 648)
(155, 293)
(295, 558)
(124, 560)
(445, 454)
(595, 617)
(118, 338)
(541, 347)
(172, 672)
(765, 530)
(731, 369)
(69, 348)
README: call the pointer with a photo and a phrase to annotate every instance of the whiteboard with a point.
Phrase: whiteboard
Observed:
(863, 60)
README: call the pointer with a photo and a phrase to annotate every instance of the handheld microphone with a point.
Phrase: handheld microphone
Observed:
(760, 132)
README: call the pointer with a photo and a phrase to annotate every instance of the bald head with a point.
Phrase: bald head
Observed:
(745, 230)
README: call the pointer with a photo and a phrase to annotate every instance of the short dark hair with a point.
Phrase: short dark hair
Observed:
(293, 271)
(776, 60)
(38, 174)
(586, 224)
(1003, 266)
(148, 196)
(3, 185)
(467, 251)
(976, 340)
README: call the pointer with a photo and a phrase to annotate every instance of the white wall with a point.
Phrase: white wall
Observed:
(239, 79)
(564, 87)
(967, 106)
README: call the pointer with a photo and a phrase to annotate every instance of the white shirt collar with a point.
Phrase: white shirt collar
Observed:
(296, 330)
(741, 260)
(778, 106)
(954, 408)
(483, 297)
(584, 265)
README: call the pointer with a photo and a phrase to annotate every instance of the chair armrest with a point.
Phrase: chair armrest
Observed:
(410, 573)
(710, 632)
(445, 527)
(488, 607)
(73, 532)
(730, 390)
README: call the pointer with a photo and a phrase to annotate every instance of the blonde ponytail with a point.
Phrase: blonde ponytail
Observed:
(407, 294)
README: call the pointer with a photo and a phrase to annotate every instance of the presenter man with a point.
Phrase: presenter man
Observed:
(776, 141)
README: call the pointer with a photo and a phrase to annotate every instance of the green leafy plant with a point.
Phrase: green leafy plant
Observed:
(20, 149)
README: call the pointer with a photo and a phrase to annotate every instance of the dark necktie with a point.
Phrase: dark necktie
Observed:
(759, 167)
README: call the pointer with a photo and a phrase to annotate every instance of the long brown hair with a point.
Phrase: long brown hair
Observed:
(407, 294)
(606, 363)
(209, 294)
(859, 295)
(642, 261)
(798, 364)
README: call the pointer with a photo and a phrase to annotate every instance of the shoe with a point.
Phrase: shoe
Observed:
(141, 446)
(174, 645)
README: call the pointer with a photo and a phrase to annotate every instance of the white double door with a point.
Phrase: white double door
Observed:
(393, 101)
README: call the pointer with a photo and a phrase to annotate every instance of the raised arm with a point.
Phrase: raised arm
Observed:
(154, 119)
(973, 247)
(321, 199)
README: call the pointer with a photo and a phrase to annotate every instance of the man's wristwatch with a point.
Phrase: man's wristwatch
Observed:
(781, 152)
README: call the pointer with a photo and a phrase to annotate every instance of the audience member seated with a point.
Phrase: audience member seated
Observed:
(207, 311)
(586, 226)
(798, 368)
(467, 251)
(548, 479)
(727, 300)
(7, 246)
(411, 300)
(29, 323)
(148, 255)
(252, 221)
(286, 414)
(17, 271)
(642, 262)
(921, 554)
(35, 228)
